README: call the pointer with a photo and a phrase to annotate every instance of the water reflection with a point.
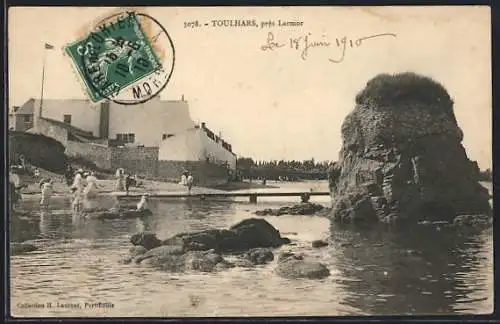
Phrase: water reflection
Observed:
(417, 271)
(377, 271)
(169, 218)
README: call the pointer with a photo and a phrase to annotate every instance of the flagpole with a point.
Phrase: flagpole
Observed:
(43, 80)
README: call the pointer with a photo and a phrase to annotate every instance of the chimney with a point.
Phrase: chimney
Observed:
(15, 108)
(104, 120)
(182, 98)
(203, 125)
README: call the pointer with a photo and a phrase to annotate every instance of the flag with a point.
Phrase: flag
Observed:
(48, 46)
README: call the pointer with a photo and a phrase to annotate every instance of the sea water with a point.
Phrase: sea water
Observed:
(428, 270)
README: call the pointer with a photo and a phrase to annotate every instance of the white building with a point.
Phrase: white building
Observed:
(156, 123)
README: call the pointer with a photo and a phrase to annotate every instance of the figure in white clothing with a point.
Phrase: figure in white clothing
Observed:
(120, 180)
(47, 191)
(143, 204)
(77, 203)
(78, 184)
(184, 178)
(91, 190)
(190, 181)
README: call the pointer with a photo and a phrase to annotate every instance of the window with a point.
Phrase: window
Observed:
(126, 138)
(27, 118)
(67, 119)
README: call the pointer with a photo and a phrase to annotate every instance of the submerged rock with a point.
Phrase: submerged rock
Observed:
(402, 157)
(201, 251)
(306, 208)
(174, 259)
(259, 256)
(293, 267)
(146, 240)
(21, 248)
(473, 221)
(137, 250)
(319, 243)
(117, 213)
(244, 263)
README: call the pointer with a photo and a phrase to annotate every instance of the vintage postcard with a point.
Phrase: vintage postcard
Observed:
(250, 161)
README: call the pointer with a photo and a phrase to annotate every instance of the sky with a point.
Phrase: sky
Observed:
(276, 104)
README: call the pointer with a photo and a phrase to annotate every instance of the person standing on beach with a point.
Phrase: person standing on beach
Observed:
(15, 187)
(184, 178)
(189, 182)
(119, 180)
(91, 190)
(77, 201)
(128, 183)
(37, 174)
(78, 181)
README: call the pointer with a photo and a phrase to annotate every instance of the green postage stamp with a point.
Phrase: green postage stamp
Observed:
(118, 61)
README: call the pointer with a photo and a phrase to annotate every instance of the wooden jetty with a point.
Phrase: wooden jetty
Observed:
(252, 196)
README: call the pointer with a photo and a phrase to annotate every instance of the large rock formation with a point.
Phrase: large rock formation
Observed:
(248, 234)
(402, 157)
(201, 251)
(39, 150)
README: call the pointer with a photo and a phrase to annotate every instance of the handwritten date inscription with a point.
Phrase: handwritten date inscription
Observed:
(305, 43)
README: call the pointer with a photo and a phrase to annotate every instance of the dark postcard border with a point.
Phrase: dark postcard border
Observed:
(5, 284)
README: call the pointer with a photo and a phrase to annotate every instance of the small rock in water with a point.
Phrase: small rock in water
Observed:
(243, 263)
(472, 220)
(319, 244)
(260, 256)
(293, 268)
(137, 250)
(299, 209)
(20, 248)
(145, 239)
(127, 260)
(289, 255)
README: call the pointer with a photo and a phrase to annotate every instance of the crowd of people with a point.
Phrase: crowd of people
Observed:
(187, 180)
(83, 186)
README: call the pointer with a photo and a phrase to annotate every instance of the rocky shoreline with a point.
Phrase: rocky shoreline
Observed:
(252, 241)
(298, 209)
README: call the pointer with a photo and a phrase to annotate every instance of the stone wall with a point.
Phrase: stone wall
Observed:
(205, 174)
(99, 154)
(49, 129)
(136, 160)
(140, 160)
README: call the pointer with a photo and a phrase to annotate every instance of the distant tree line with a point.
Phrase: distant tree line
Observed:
(292, 170)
